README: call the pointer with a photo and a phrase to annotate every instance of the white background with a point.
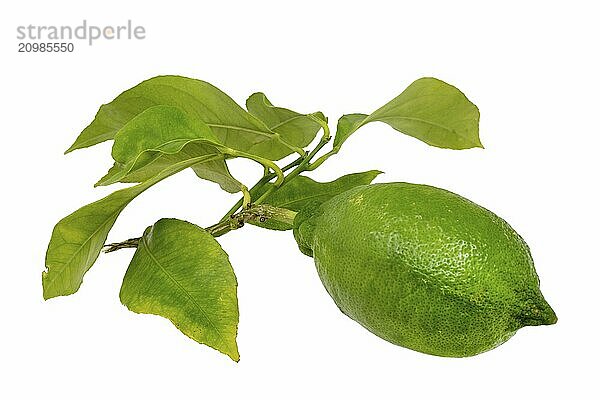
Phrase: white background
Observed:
(531, 69)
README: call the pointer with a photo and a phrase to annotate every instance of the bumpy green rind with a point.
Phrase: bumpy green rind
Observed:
(424, 268)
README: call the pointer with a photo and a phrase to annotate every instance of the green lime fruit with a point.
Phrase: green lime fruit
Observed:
(423, 268)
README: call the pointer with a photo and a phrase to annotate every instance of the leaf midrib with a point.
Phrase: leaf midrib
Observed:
(424, 121)
(286, 121)
(210, 322)
(239, 128)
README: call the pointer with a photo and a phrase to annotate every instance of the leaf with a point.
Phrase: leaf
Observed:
(430, 110)
(214, 171)
(180, 272)
(156, 138)
(232, 125)
(346, 126)
(295, 128)
(302, 190)
(158, 128)
(78, 238)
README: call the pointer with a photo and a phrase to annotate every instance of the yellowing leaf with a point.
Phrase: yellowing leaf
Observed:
(179, 271)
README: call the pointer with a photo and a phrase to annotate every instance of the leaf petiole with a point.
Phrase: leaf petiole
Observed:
(263, 161)
(262, 182)
(246, 196)
(321, 159)
(304, 164)
(296, 149)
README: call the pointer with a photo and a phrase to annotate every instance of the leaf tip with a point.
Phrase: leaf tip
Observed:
(477, 143)
(228, 347)
(372, 174)
(234, 355)
(106, 180)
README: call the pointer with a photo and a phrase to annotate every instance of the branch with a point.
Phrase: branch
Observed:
(260, 212)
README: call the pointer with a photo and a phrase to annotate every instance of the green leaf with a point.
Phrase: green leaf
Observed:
(430, 110)
(232, 125)
(161, 136)
(180, 272)
(346, 126)
(214, 171)
(302, 190)
(159, 128)
(295, 128)
(78, 238)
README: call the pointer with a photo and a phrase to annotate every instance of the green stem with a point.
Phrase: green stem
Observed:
(263, 161)
(304, 164)
(261, 213)
(127, 244)
(246, 196)
(262, 182)
(267, 164)
(322, 159)
(296, 149)
(301, 164)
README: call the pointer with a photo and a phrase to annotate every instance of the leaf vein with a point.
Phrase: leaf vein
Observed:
(182, 289)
